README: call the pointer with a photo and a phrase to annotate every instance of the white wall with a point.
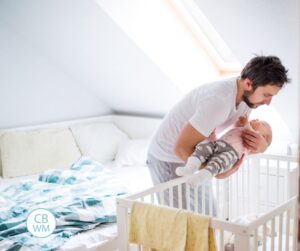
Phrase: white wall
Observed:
(33, 90)
(263, 27)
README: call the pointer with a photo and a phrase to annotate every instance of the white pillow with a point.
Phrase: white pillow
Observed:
(99, 141)
(132, 152)
(31, 152)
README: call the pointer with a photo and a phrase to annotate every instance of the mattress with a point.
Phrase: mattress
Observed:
(135, 178)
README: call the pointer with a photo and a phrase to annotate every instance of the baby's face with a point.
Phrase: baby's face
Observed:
(262, 127)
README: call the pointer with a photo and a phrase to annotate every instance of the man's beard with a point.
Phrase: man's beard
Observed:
(246, 96)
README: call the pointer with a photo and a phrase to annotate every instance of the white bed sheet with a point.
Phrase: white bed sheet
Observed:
(135, 178)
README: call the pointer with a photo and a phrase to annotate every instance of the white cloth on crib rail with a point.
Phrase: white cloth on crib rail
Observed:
(168, 229)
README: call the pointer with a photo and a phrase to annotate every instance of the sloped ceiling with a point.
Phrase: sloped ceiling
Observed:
(80, 38)
(167, 37)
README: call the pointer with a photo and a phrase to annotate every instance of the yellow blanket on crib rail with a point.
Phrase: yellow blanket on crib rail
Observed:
(199, 235)
(167, 229)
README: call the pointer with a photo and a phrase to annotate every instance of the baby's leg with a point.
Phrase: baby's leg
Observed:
(191, 166)
(219, 163)
(199, 156)
(200, 177)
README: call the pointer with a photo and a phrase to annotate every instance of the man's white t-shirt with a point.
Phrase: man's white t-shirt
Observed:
(208, 107)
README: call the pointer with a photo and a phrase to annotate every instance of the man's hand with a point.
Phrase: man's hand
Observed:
(232, 170)
(254, 141)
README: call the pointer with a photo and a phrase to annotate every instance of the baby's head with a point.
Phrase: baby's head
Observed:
(263, 128)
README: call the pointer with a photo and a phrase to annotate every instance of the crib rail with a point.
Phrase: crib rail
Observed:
(263, 182)
(242, 232)
(261, 187)
(281, 223)
(124, 206)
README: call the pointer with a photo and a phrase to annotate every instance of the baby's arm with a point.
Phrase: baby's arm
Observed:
(242, 121)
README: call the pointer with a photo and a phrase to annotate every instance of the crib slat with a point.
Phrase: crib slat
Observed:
(273, 234)
(225, 211)
(268, 185)
(287, 231)
(295, 229)
(277, 188)
(255, 240)
(152, 198)
(210, 201)
(203, 199)
(171, 197)
(188, 196)
(237, 194)
(122, 223)
(248, 188)
(264, 237)
(221, 240)
(287, 181)
(218, 195)
(257, 164)
(196, 199)
(231, 198)
(180, 196)
(243, 191)
(280, 232)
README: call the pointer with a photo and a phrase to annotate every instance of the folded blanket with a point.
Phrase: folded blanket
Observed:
(168, 229)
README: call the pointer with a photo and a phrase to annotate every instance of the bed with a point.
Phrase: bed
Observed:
(96, 151)
(256, 207)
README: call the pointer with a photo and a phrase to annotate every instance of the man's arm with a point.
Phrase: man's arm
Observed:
(186, 141)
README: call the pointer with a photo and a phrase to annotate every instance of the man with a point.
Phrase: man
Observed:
(210, 109)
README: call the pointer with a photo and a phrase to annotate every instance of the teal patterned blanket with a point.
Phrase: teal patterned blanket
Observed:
(81, 198)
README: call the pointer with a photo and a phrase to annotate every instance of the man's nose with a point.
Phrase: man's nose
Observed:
(267, 101)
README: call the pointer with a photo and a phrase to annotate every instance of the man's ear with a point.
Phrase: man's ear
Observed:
(248, 84)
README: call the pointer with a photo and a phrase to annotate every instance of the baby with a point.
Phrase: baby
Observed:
(220, 155)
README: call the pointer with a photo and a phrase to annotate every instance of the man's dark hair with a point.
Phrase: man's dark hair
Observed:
(265, 70)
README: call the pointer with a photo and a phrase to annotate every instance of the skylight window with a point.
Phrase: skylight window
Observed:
(179, 41)
(207, 35)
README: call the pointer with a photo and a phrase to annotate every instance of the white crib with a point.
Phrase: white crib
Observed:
(256, 207)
